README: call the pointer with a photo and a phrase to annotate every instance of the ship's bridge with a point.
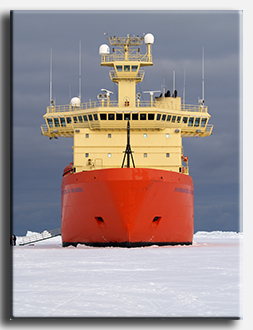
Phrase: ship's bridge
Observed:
(162, 113)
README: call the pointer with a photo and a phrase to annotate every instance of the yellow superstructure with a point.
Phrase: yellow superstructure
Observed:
(99, 127)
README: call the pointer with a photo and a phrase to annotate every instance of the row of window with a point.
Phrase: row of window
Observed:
(192, 121)
(109, 155)
(127, 68)
(87, 135)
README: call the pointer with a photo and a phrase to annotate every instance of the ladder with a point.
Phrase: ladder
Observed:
(47, 234)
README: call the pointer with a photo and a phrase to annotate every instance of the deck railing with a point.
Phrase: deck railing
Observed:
(114, 104)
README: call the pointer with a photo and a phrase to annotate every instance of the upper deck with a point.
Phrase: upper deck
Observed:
(190, 120)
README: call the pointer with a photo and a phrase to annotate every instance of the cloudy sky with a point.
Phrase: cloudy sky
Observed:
(179, 37)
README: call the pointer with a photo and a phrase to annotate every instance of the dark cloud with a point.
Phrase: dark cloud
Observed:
(179, 38)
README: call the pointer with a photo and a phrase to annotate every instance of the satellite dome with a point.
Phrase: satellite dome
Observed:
(149, 38)
(104, 49)
(75, 102)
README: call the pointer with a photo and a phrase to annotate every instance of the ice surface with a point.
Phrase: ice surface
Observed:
(202, 280)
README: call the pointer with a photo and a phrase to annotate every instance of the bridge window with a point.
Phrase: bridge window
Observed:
(190, 123)
(103, 116)
(63, 123)
(126, 68)
(203, 122)
(68, 120)
(95, 116)
(119, 68)
(158, 116)
(110, 116)
(75, 119)
(85, 118)
(151, 116)
(50, 122)
(197, 120)
(173, 119)
(90, 118)
(135, 116)
(143, 116)
(56, 122)
(127, 116)
(185, 119)
(163, 117)
(134, 68)
(178, 119)
(119, 116)
(80, 118)
(169, 117)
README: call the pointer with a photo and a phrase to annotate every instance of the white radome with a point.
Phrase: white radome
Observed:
(104, 49)
(149, 38)
(75, 102)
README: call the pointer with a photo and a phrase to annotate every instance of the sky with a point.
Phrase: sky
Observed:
(179, 37)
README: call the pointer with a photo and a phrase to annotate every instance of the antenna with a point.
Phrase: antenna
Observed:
(174, 81)
(184, 89)
(51, 77)
(203, 74)
(80, 70)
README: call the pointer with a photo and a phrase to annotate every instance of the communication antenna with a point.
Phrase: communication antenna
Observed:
(51, 78)
(203, 74)
(184, 89)
(174, 81)
(202, 100)
(80, 70)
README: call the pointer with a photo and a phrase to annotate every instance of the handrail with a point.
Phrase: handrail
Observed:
(114, 104)
(121, 57)
(83, 106)
(40, 236)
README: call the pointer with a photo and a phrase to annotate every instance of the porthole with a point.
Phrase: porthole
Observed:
(109, 155)
(145, 135)
(167, 135)
(145, 155)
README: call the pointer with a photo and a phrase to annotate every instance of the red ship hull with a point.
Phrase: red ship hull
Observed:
(127, 207)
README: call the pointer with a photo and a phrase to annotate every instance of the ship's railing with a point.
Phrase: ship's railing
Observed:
(117, 56)
(62, 131)
(209, 128)
(185, 169)
(193, 108)
(108, 103)
(83, 106)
